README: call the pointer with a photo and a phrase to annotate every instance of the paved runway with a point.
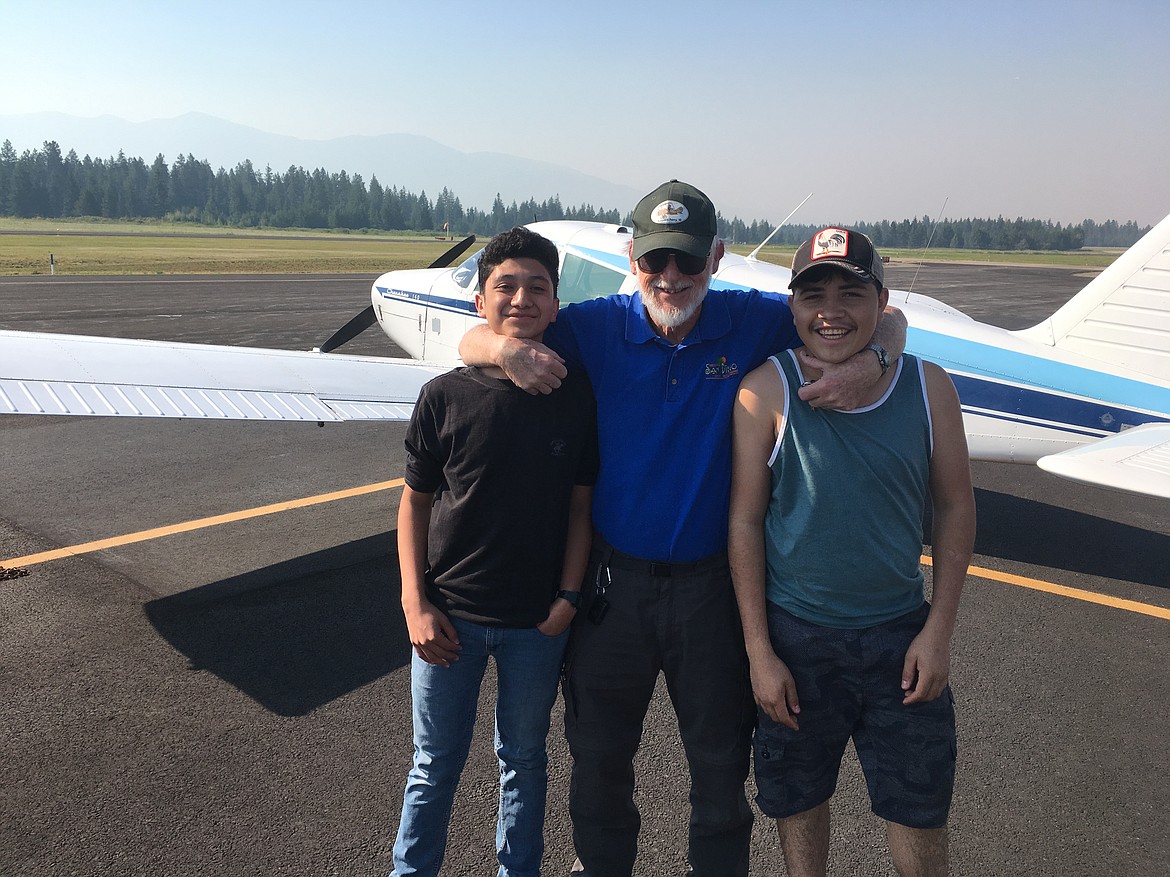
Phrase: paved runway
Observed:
(234, 700)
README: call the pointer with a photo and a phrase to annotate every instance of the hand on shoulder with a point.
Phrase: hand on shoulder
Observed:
(532, 366)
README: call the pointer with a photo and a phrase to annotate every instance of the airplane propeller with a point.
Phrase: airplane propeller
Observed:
(366, 318)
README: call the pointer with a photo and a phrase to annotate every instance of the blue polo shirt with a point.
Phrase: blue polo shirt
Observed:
(664, 414)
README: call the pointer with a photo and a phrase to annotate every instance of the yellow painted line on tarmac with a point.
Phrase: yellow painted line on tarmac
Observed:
(1064, 591)
(261, 511)
(199, 524)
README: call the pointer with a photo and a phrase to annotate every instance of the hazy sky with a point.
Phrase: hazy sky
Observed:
(1029, 108)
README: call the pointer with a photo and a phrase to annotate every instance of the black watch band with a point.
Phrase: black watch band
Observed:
(883, 357)
(571, 597)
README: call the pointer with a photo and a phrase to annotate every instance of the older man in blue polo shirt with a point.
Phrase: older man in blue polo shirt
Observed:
(665, 366)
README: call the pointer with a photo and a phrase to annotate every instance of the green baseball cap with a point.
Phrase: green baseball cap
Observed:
(675, 216)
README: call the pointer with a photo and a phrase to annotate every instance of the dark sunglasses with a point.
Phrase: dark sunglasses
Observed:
(655, 261)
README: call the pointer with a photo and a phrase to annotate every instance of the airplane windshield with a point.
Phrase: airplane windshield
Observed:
(468, 271)
(583, 279)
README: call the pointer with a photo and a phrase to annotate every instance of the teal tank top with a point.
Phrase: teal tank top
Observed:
(843, 530)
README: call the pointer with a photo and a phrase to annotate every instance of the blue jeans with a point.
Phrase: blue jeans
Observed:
(528, 665)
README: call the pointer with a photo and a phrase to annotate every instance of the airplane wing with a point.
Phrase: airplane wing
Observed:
(43, 373)
(1137, 460)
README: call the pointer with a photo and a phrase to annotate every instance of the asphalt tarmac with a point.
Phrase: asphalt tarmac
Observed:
(234, 700)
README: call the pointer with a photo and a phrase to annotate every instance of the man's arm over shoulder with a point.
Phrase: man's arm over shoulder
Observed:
(755, 416)
(530, 365)
(843, 386)
(927, 665)
(891, 332)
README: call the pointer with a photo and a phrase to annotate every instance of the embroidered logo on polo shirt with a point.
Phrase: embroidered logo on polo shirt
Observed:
(721, 369)
(558, 447)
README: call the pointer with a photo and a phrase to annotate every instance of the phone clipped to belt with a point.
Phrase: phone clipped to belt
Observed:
(598, 606)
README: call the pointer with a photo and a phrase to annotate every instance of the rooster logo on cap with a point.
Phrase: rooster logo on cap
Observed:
(835, 241)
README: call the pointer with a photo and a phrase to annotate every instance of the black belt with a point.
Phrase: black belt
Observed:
(659, 569)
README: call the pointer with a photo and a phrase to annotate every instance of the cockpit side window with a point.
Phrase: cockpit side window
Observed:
(467, 274)
(583, 279)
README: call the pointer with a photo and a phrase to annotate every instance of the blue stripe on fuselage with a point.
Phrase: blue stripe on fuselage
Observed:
(1013, 402)
(1020, 386)
(425, 299)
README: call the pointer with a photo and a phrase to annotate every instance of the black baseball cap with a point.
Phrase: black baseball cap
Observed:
(851, 250)
(674, 216)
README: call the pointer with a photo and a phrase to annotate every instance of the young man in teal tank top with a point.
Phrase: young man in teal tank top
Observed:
(824, 538)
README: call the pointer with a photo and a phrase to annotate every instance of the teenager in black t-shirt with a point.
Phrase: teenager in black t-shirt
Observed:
(493, 537)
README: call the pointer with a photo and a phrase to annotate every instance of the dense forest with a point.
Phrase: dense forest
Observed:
(44, 183)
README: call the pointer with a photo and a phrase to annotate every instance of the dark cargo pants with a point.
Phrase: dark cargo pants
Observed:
(681, 620)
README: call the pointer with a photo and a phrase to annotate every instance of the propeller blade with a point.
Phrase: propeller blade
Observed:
(367, 318)
(351, 330)
(454, 253)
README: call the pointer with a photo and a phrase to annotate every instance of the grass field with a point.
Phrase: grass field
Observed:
(166, 248)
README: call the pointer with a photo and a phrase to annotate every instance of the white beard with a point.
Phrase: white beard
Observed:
(668, 317)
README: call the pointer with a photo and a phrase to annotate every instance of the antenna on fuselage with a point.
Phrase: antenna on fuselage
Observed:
(929, 238)
(752, 254)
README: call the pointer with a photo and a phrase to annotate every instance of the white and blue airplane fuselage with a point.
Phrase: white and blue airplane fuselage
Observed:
(1084, 394)
(1028, 396)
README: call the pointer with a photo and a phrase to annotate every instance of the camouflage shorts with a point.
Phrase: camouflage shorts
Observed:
(849, 685)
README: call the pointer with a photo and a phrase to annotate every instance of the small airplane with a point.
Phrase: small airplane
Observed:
(1085, 394)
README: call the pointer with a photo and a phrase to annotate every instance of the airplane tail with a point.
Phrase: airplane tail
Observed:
(1122, 316)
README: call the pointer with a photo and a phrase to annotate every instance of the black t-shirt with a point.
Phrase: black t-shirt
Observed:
(502, 464)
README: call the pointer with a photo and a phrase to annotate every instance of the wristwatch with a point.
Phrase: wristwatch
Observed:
(571, 597)
(883, 357)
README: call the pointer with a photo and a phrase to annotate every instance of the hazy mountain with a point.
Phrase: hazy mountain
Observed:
(404, 160)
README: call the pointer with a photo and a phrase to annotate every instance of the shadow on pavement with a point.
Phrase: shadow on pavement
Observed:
(1032, 532)
(295, 635)
(299, 634)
